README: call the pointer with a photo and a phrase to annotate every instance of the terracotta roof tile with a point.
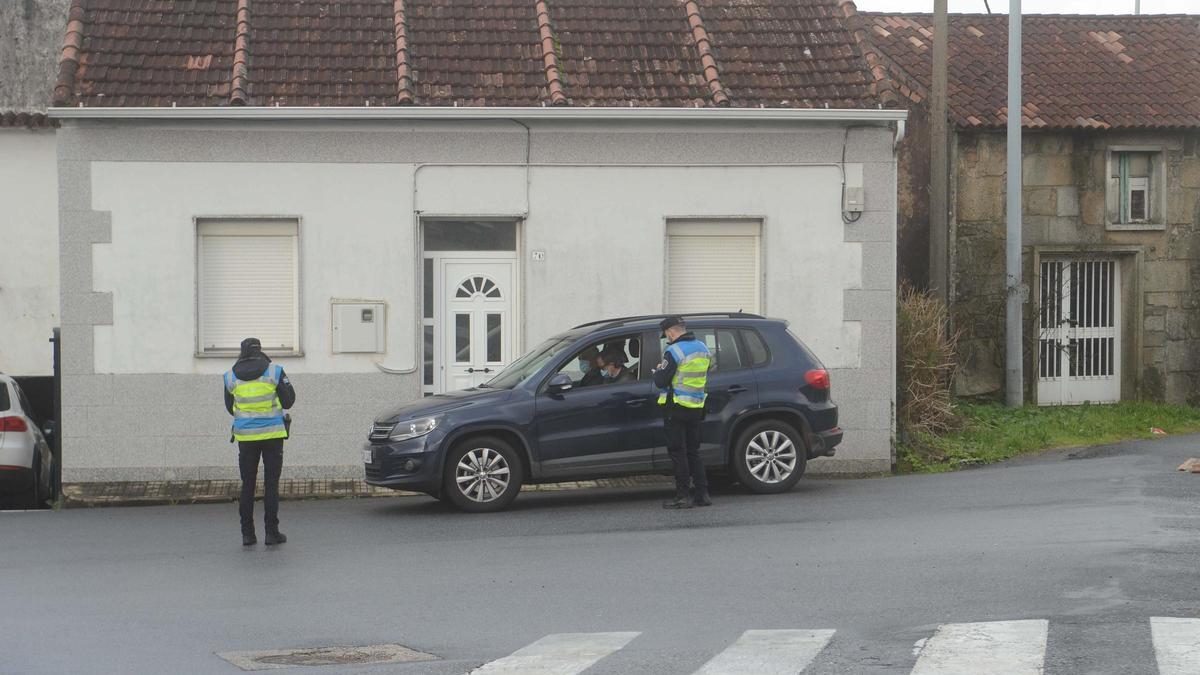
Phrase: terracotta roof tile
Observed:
(1095, 72)
(773, 53)
(29, 120)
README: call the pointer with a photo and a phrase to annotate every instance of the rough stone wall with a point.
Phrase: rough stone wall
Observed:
(31, 33)
(912, 205)
(1065, 205)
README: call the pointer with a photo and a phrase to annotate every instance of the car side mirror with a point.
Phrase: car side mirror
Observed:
(560, 383)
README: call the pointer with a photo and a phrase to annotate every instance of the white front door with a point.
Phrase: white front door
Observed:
(1079, 343)
(477, 320)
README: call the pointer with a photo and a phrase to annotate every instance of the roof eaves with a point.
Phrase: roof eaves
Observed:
(481, 113)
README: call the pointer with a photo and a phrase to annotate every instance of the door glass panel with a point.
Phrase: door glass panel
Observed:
(462, 338)
(428, 373)
(494, 345)
(428, 288)
(729, 356)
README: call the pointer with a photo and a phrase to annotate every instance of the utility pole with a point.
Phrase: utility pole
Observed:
(1137, 6)
(1013, 354)
(939, 165)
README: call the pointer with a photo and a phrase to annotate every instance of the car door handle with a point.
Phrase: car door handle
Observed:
(636, 401)
(737, 389)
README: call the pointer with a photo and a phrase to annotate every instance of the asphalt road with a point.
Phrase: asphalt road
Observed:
(1094, 542)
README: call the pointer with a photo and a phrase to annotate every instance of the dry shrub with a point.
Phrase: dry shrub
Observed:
(926, 363)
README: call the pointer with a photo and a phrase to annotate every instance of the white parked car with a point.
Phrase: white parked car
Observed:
(26, 461)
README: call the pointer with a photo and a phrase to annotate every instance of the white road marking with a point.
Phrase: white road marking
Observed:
(769, 652)
(559, 654)
(1008, 647)
(1176, 645)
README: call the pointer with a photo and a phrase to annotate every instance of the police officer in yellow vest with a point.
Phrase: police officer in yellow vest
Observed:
(681, 379)
(256, 394)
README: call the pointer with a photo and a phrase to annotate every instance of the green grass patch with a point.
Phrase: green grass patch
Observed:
(992, 432)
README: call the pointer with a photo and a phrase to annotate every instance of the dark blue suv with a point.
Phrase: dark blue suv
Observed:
(546, 418)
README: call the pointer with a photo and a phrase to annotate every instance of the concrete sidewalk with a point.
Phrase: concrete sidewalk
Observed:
(157, 493)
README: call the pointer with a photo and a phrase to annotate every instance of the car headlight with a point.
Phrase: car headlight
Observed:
(406, 430)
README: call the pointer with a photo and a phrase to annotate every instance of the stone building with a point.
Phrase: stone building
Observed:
(1111, 190)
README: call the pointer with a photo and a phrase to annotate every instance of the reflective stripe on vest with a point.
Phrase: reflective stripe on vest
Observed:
(257, 413)
(691, 374)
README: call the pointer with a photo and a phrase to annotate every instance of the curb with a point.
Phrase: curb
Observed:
(170, 493)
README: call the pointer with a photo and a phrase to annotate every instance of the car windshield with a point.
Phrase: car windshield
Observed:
(527, 365)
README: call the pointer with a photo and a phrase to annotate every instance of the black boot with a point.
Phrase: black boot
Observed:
(248, 539)
(702, 498)
(275, 537)
(681, 501)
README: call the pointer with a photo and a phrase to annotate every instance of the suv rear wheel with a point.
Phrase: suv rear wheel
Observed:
(769, 457)
(483, 474)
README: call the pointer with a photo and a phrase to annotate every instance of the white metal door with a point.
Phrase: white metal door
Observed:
(1079, 344)
(477, 320)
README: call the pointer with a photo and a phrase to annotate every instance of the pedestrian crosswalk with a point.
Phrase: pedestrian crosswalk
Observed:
(986, 648)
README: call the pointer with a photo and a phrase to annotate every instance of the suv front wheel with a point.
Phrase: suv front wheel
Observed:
(483, 474)
(769, 457)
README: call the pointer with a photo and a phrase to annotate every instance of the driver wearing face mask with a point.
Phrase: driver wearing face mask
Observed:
(589, 365)
(612, 366)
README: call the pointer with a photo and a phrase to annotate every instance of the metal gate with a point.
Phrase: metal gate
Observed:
(1079, 343)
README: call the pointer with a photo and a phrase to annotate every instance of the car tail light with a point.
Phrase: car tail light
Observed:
(13, 424)
(818, 379)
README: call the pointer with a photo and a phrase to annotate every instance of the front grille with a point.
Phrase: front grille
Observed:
(380, 432)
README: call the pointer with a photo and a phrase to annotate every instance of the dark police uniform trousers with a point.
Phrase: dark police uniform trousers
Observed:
(682, 427)
(249, 452)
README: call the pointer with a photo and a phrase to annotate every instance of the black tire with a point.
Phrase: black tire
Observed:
(768, 475)
(478, 494)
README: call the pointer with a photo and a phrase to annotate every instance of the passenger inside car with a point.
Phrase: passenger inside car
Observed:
(612, 366)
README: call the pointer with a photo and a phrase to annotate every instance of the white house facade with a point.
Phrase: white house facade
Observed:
(181, 236)
(28, 247)
(398, 197)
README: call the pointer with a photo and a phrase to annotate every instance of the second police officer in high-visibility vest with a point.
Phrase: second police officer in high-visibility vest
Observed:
(681, 379)
(256, 394)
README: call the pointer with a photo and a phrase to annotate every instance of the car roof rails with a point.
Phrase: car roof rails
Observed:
(645, 317)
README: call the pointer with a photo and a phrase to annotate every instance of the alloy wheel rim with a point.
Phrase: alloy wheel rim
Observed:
(482, 475)
(771, 456)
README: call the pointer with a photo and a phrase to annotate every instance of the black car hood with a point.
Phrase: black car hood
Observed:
(442, 403)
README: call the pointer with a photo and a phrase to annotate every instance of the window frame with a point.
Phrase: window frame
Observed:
(1115, 212)
(235, 221)
(643, 374)
(717, 226)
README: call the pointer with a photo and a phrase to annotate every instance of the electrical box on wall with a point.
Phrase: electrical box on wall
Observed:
(358, 326)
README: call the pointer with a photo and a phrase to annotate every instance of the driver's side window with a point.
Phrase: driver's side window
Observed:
(611, 361)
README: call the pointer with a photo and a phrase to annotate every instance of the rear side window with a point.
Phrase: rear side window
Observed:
(755, 346)
(4, 403)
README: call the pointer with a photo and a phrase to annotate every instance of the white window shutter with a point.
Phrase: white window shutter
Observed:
(713, 267)
(247, 289)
